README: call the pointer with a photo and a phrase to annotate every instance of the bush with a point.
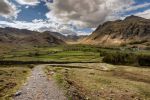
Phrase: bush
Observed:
(32, 54)
(120, 58)
(31, 66)
(144, 60)
(138, 42)
(103, 53)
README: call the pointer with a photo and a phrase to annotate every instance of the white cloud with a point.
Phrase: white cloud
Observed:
(28, 2)
(40, 25)
(8, 9)
(84, 33)
(137, 7)
(87, 13)
(26, 7)
(145, 14)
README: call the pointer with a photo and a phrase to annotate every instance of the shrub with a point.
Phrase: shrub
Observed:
(120, 58)
(31, 66)
(32, 54)
(138, 42)
(144, 60)
(103, 53)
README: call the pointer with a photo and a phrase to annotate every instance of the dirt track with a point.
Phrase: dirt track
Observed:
(39, 87)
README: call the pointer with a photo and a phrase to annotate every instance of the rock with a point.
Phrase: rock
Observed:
(51, 73)
(18, 93)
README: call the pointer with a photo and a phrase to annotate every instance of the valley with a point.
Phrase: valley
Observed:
(112, 63)
(74, 49)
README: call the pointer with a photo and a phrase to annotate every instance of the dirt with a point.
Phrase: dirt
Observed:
(39, 87)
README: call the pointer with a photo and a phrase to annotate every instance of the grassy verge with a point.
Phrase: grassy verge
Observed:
(102, 81)
(61, 76)
(11, 78)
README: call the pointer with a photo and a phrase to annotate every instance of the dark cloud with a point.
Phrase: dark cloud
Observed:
(87, 12)
(7, 9)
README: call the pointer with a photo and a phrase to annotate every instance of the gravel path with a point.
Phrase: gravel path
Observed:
(39, 87)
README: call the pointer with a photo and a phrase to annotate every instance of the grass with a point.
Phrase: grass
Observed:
(102, 81)
(86, 80)
(57, 54)
(11, 78)
(73, 53)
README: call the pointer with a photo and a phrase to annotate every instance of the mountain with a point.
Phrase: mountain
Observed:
(67, 38)
(57, 35)
(131, 30)
(22, 37)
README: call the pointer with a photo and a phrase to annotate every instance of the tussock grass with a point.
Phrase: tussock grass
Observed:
(96, 82)
(11, 78)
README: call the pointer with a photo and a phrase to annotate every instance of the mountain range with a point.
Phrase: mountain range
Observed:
(24, 37)
(132, 30)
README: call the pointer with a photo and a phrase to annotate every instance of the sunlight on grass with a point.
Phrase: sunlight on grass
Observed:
(112, 83)
(11, 78)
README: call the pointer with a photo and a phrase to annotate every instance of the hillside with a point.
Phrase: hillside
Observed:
(67, 38)
(16, 39)
(132, 30)
(22, 37)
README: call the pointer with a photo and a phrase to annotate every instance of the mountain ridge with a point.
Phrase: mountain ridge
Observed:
(23, 37)
(119, 32)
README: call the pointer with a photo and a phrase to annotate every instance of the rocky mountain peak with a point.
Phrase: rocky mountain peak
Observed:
(133, 17)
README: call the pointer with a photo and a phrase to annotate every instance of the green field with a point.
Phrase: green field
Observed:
(66, 53)
(57, 54)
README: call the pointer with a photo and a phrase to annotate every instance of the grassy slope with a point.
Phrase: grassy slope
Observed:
(11, 78)
(103, 81)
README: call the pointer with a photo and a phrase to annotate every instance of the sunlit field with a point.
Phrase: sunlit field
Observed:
(100, 81)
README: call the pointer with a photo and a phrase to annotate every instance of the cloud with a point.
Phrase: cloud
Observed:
(8, 9)
(87, 13)
(40, 25)
(145, 14)
(28, 2)
(26, 7)
(68, 32)
(136, 7)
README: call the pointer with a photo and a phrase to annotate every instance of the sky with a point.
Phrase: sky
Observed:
(73, 17)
